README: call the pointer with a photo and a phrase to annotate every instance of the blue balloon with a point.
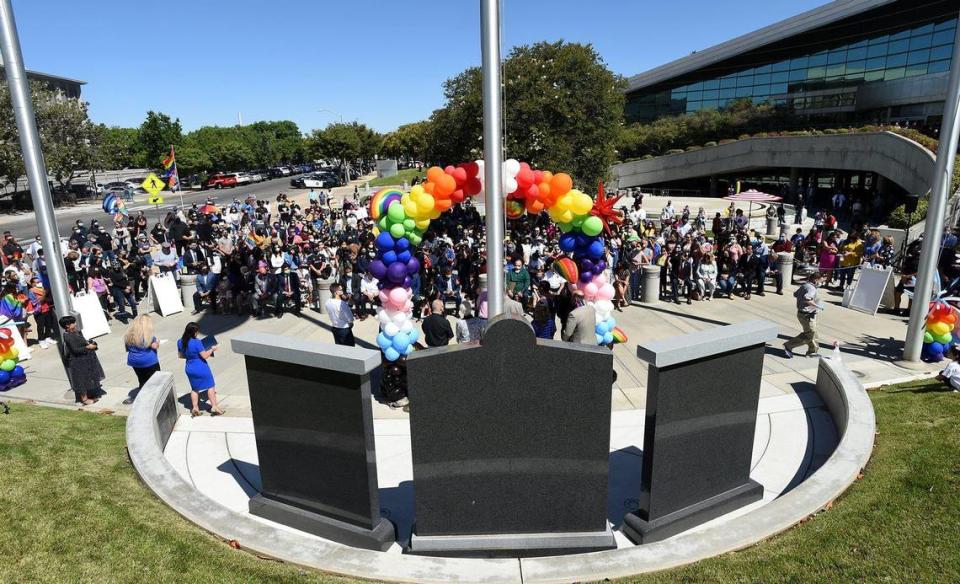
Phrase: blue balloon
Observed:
(403, 244)
(4, 377)
(409, 350)
(607, 338)
(18, 372)
(611, 322)
(583, 241)
(595, 250)
(599, 329)
(384, 342)
(599, 339)
(385, 241)
(414, 335)
(389, 257)
(568, 242)
(391, 354)
(400, 342)
(936, 347)
(403, 256)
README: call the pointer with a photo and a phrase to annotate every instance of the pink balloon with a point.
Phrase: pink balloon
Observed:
(590, 291)
(384, 298)
(606, 292)
(601, 279)
(398, 296)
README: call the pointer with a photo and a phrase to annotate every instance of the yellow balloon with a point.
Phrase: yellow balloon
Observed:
(410, 208)
(416, 191)
(565, 216)
(435, 214)
(939, 328)
(582, 203)
(13, 352)
(423, 223)
(425, 203)
(565, 203)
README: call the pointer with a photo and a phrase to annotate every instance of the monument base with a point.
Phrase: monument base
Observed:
(379, 538)
(511, 545)
(641, 531)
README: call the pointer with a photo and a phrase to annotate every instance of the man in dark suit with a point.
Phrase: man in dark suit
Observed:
(193, 258)
(350, 285)
(448, 287)
(287, 290)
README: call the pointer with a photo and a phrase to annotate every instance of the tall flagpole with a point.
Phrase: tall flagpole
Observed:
(492, 152)
(936, 211)
(176, 174)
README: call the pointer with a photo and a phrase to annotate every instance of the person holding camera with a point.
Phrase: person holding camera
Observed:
(340, 315)
(82, 362)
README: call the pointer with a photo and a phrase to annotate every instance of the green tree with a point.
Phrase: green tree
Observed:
(563, 111)
(119, 148)
(157, 133)
(344, 143)
(409, 141)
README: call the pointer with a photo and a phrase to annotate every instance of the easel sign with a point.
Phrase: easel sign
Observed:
(869, 289)
(164, 294)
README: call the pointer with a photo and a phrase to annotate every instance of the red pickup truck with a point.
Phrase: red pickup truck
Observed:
(221, 181)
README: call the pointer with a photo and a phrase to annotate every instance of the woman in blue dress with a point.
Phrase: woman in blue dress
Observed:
(198, 371)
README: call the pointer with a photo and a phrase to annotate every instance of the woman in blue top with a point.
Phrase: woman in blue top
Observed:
(198, 371)
(141, 346)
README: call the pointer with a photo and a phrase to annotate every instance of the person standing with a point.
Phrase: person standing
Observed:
(808, 305)
(288, 291)
(141, 346)
(42, 311)
(82, 362)
(437, 331)
(581, 324)
(191, 349)
(341, 316)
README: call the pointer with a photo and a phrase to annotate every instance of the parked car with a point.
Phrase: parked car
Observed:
(286, 171)
(255, 176)
(220, 181)
(242, 178)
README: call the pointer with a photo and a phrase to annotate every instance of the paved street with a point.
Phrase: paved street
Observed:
(23, 225)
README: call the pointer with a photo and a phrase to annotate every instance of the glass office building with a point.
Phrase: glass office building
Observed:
(885, 64)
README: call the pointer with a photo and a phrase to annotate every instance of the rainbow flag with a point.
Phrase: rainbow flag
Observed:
(12, 307)
(170, 166)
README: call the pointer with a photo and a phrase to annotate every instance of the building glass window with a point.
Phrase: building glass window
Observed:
(921, 42)
(781, 66)
(939, 66)
(818, 59)
(895, 47)
(914, 70)
(943, 37)
(938, 53)
(745, 81)
(896, 60)
(877, 50)
(857, 54)
(838, 56)
(895, 73)
(915, 57)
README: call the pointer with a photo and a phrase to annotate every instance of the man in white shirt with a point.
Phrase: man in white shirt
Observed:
(370, 291)
(341, 317)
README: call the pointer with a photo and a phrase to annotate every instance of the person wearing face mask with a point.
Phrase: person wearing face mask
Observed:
(276, 259)
(42, 312)
(288, 291)
(262, 292)
(206, 288)
(193, 258)
(350, 284)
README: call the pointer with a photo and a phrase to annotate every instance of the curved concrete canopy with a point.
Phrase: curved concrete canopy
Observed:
(890, 155)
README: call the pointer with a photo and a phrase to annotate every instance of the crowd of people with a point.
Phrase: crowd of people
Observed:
(272, 257)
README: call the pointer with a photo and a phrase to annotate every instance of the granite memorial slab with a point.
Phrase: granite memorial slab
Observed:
(703, 391)
(510, 445)
(313, 425)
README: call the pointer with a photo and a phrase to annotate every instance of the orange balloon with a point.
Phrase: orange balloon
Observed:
(434, 174)
(534, 207)
(561, 183)
(546, 177)
(950, 318)
(428, 187)
(544, 189)
(5, 345)
(445, 185)
(442, 205)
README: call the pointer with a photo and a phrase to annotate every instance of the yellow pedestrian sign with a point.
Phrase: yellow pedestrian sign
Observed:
(155, 200)
(153, 185)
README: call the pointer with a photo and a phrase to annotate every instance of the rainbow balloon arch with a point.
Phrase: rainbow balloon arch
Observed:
(402, 218)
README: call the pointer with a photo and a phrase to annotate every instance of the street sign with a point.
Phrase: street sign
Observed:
(152, 184)
(155, 200)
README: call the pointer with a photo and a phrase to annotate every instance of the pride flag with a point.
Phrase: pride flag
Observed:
(170, 166)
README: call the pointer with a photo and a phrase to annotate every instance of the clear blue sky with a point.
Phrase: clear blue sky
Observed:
(381, 62)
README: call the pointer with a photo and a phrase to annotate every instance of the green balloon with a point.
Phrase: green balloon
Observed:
(578, 221)
(409, 224)
(414, 239)
(8, 365)
(928, 337)
(945, 338)
(565, 227)
(397, 230)
(395, 212)
(383, 224)
(592, 226)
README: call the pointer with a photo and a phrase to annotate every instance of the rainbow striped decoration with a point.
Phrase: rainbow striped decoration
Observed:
(567, 268)
(382, 200)
(618, 335)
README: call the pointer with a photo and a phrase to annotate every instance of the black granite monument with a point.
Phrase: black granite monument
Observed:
(510, 445)
(314, 430)
(703, 391)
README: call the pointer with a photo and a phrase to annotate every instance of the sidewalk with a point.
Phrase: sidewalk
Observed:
(870, 346)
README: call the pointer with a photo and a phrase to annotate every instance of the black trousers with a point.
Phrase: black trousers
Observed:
(144, 374)
(344, 336)
(45, 325)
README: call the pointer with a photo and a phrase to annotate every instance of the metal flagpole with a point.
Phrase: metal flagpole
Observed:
(33, 158)
(176, 173)
(936, 210)
(492, 151)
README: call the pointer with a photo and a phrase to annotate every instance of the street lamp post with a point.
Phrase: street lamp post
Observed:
(492, 151)
(936, 210)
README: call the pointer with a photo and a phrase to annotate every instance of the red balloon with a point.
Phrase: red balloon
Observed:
(448, 169)
(472, 168)
(524, 177)
(533, 192)
(538, 176)
(457, 196)
(459, 175)
(473, 187)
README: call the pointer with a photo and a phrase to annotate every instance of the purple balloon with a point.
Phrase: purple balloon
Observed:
(413, 266)
(378, 269)
(407, 282)
(601, 266)
(586, 265)
(586, 277)
(397, 272)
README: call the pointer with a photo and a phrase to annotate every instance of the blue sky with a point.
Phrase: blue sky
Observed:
(381, 62)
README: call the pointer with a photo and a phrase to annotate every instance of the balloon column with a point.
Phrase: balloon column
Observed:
(11, 374)
(940, 331)
(403, 218)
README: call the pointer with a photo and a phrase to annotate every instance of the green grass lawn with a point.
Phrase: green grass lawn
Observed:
(396, 180)
(73, 510)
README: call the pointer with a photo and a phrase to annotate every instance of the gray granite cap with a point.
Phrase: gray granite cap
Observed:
(353, 360)
(721, 339)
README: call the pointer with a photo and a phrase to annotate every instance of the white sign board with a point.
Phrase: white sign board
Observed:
(18, 341)
(869, 289)
(165, 295)
(93, 321)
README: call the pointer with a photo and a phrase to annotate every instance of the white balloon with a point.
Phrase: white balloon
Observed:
(399, 318)
(509, 185)
(382, 316)
(391, 329)
(407, 326)
(511, 167)
(605, 305)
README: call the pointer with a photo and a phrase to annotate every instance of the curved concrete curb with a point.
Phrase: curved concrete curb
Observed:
(149, 425)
